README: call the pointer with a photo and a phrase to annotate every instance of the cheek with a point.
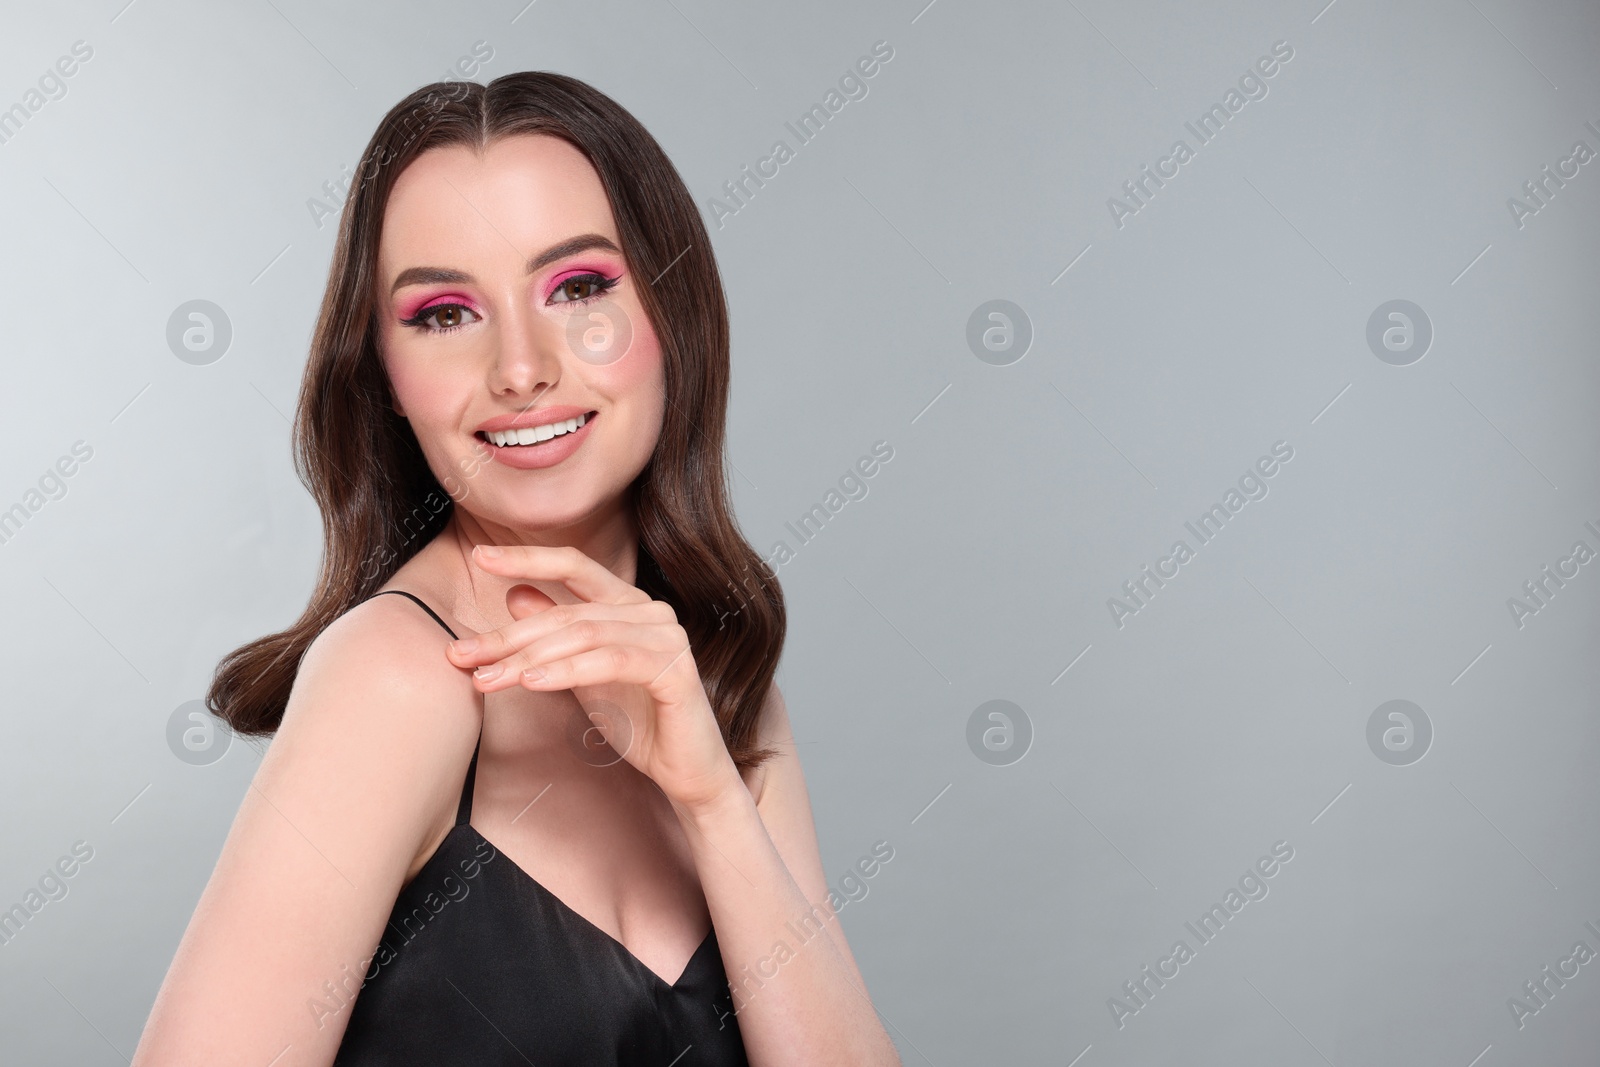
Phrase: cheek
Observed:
(653, 389)
(410, 394)
(416, 385)
(639, 379)
(402, 384)
(644, 364)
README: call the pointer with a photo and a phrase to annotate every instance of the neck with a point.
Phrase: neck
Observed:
(610, 537)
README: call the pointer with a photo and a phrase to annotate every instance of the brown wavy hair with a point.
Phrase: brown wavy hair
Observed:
(381, 503)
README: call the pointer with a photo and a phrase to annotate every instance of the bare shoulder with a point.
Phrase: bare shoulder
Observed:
(360, 779)
(384, 646)
(379, 724)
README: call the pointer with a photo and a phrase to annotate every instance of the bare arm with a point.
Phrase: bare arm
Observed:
(797, 993)
(359, 784)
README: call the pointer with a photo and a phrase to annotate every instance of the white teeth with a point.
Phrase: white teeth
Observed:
(534, 434)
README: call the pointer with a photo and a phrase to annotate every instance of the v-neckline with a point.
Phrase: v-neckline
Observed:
(464, 820)
(574, 913)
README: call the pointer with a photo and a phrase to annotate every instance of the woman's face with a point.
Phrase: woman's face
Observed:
(504, 303)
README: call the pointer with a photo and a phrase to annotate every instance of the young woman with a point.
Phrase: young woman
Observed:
(543, 804)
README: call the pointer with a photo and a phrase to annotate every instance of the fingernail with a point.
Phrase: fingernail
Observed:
(490, 550)
(488, 673)
(464, 647)
(533, 674)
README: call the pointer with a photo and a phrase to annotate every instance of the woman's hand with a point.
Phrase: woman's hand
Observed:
(623, 655)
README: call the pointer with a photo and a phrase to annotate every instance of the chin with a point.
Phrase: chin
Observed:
(540, 512)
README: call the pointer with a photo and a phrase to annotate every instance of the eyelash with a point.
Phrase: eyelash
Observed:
(602, 285)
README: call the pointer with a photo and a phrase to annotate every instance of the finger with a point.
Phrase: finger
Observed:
(607, 664)
(524, 600)
(581, 637)
(493, 645)
(586, 577)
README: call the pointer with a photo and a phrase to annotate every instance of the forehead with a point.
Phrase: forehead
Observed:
(516, 197)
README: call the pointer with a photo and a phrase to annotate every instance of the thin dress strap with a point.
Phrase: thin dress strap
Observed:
(464, 808)
(418, 600)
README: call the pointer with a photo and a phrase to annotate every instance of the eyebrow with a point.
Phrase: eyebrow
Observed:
(571, 246)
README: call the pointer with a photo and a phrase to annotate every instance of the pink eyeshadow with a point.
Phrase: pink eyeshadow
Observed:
(416, 304)
(576, 272)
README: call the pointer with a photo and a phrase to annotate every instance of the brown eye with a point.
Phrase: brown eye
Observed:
(577, 288)
(582, 288)
(438, 318)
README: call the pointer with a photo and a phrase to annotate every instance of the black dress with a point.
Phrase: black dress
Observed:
(480, 964)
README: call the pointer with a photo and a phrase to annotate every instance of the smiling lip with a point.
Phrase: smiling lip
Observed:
(546, 453)
(524, 419)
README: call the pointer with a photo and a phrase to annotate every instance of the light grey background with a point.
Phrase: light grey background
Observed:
(1228, 314)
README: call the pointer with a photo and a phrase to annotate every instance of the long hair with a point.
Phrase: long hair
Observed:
(381, 503)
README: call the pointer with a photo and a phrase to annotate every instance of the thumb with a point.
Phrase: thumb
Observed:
(524, 600)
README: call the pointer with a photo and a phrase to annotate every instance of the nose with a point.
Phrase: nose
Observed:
(527, 359)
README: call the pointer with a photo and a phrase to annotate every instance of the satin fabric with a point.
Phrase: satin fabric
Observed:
(480, 964)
